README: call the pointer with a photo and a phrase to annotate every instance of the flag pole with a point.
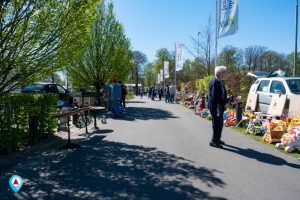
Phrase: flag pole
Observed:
(216, 42)
(296, 41)
(164, 74)
(175, 69)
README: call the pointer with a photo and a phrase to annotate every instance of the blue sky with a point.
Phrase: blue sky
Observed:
(155, 24)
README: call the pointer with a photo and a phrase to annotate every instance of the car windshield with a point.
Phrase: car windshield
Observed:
(294, 85)
(33, 88)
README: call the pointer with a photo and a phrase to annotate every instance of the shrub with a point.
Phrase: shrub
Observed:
(26, 119)
(203, 84)
(130, 95)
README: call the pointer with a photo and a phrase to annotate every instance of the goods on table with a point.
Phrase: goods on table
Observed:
(275, 131)
(204, 113)
(295, 122)
(255, 127)
(291, 139)
(229, 119)
(198, 107)
(250, 114)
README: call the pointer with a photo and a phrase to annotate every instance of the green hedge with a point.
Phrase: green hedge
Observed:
(26, 119)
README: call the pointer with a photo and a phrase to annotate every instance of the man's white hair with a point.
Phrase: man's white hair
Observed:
(220, 70)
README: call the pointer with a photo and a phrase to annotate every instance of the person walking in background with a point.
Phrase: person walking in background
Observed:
(149, 92)
(160, 93)
(153, 94)
(172, 93)
(142, 92)
(107, 90)
(217, 103)
(167, 94)
(116, 96)
(123, 94)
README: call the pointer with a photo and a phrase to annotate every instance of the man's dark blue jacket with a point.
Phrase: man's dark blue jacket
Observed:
(217, 95)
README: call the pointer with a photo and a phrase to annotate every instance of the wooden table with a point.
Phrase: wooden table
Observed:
(70, 145)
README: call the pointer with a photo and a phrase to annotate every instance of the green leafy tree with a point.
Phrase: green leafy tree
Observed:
(232, 58)
(162, 55)
(107, 54)
(39, 37)
(203, 84)
(150, 75)
(139, 59)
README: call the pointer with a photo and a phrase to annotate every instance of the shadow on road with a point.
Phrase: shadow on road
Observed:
(259, 156)
(110, 170)
(144, 113)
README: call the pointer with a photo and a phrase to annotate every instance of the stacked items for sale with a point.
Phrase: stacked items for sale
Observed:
(256, 127)
(250, 115)
(189, 101)
(275, 131)
(291, 139)
(229, 119)
(204, 113)
(198, 107)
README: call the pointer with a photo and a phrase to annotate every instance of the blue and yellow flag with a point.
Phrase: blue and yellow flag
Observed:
(228, 17)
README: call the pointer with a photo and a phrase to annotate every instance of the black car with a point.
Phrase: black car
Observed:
(65, 98)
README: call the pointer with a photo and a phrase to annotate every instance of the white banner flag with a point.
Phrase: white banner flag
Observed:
(158, 78)
(228, 17)
(166, 68)
(179, 60)
(161, 75)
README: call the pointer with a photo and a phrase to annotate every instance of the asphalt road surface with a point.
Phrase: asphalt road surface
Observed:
(155, 151)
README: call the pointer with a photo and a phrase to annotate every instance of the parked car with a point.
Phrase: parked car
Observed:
(65, 98)
(267, 87)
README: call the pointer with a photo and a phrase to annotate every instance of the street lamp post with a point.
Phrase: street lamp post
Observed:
(198, 49)
(198, 55)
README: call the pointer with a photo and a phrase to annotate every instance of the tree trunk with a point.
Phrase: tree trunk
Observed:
(98, 88)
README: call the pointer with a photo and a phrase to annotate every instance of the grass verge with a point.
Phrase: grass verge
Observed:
(258, 138)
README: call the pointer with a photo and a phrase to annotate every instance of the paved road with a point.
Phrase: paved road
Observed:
(157, 151)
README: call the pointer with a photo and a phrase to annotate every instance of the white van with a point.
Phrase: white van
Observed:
(267, 87)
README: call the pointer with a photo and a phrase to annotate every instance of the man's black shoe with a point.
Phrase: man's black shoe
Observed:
(222, 142)
(217, 145)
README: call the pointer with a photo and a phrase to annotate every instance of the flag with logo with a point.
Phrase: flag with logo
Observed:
(228, 17)
(179, 60)
(161, 75)
(158, 78)
(166, 69)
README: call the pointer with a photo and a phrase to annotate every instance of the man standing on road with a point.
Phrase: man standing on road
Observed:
(217, 102)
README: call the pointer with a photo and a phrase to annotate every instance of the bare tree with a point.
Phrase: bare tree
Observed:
(254, 57)
(203, 46)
